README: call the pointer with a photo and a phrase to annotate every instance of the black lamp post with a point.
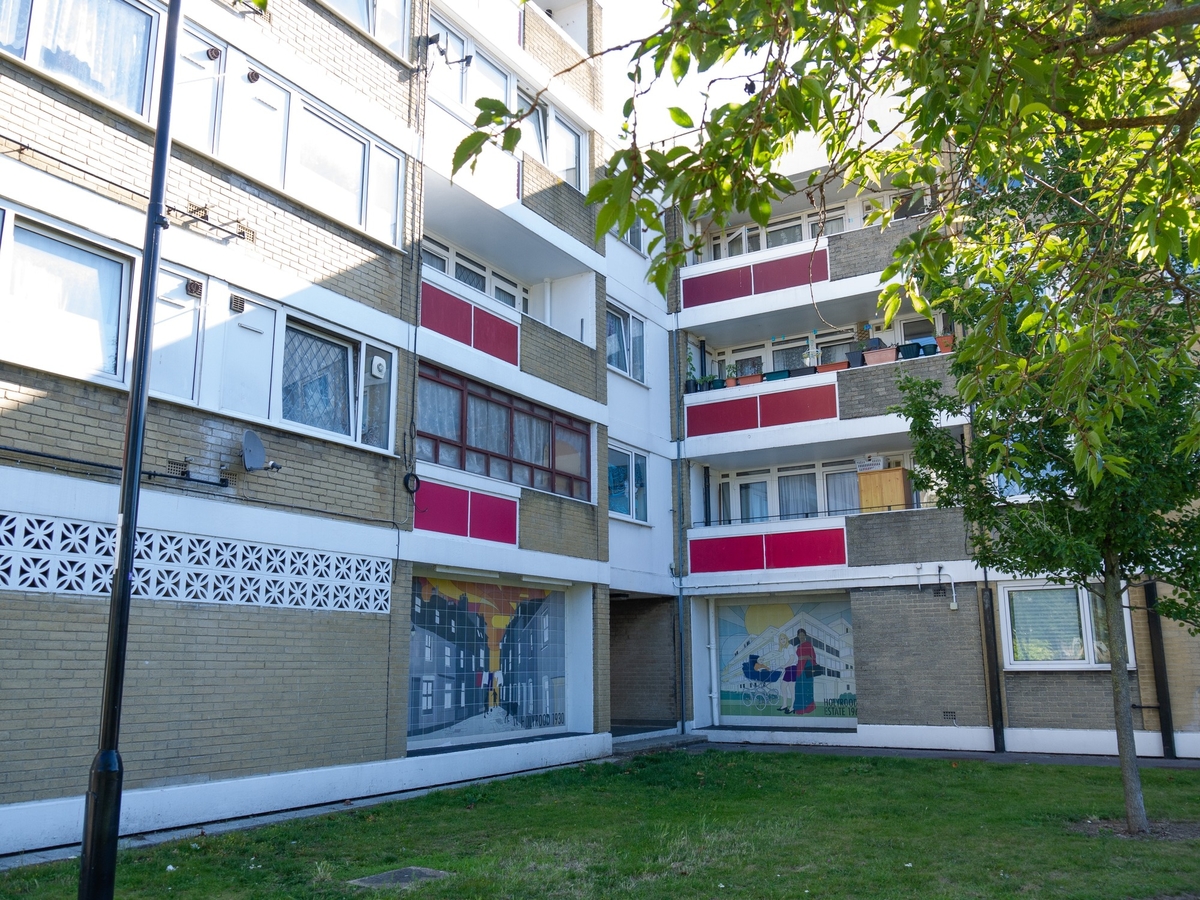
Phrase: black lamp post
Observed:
(102, 812)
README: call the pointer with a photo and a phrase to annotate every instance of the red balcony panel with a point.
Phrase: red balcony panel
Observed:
(716, 287)
(440, 507)
(445, 314)
(716, 418)
(805, 405)
(803, 268)
(495, 336)
(826, 547)
(727, 554)
(493, 518)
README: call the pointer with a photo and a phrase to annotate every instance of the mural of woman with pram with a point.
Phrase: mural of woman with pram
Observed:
(798, 679)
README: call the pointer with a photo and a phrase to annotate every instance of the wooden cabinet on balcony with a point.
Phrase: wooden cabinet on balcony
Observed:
(884, 490)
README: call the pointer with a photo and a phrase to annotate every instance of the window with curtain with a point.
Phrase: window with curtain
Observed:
(627, 483)
(64, 303)
(724, 509)
(14, 25)
(504, 437)
(318, 384)
(1046, 625)
(797, 496)
(102, 46)
(752, 499)
(789, 233)
(841, 493)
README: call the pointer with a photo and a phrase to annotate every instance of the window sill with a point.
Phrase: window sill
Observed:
(1034, 668)
(613, 370)
(628, 520)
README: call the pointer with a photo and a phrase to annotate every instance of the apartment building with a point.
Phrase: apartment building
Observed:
(409, 585)
(495, 521)
(829, 601)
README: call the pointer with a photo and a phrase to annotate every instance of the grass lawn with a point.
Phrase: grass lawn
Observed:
(717, 824)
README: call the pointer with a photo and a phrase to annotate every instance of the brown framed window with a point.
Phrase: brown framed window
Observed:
(467, 425)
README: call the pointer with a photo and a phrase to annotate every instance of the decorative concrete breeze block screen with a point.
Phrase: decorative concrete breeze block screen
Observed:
(42, 554)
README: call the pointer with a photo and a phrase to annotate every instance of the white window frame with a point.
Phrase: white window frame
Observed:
(1085, 599)
(493, 277)
(300, 102)
(554, 117)
(286, 317)
(461, 107)
(634, 455)
(13, 215)
(627, 320)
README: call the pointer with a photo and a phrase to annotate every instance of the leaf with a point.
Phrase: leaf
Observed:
(468, 148)
(680, 117)
(512, 137)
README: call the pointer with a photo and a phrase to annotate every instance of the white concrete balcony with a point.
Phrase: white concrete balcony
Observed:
(777, 291)
(839, 414)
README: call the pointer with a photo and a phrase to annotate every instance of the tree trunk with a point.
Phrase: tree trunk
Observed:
(1131, 779)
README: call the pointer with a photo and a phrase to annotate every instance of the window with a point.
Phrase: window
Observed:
(627, 483)
(797, 495)
(474, 274)
(63, 302)
(533, 129)
(426, 695)
(277, 134)
(467, 425)
(326, 381)
(1056, 626)
(318, 381)
(752, 499)
(841, 492)
(428, 648)
(626, 343)
(101, 46)
(386, 19)
(835, 223)
(633, 237)
(458, 72)
(566, 153)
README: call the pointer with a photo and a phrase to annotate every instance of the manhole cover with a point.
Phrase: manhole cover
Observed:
(400, 877)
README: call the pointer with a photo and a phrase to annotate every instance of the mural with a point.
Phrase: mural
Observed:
(788, 664)
(487, 662)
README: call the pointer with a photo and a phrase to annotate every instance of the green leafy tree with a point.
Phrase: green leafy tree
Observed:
(1057, 139)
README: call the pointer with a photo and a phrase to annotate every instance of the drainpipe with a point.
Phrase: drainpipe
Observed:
(993, 666)
(707, 501)
(1166, 721)
(681, 532)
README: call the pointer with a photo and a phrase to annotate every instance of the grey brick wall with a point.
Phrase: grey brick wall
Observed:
(553, 356)
(915, 658)
(399, 646)
(870, 390)
(553, 524)
(601, 661)
(645, 663)
(212, 691)
(558, 202)
(53, 414)
(548, 47)
(866, 250)
(908, 536)
(1062, 700)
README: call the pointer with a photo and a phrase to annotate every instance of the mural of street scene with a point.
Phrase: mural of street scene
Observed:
(487, 662)
(788, 663)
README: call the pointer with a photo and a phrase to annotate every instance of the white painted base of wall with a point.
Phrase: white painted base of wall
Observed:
(1085, 742)
(645, 735)
(52, 823)
(1187, 744)
(909, 737)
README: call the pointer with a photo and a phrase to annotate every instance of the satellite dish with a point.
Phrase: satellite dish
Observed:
(254, 455)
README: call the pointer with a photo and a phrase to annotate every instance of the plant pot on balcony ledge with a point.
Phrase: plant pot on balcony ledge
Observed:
(834, 366)
(910, 350)
(777, 375)
(750, 379)
(945, 342)
(882, 355)
(803, 370)
(855, 358)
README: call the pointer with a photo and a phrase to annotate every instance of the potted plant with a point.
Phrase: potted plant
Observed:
(777, 375)
(911, 350)
(855, 356)
(690, 384)
(877, 355)
(731, 375)
(945, 342)
(752, 378)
